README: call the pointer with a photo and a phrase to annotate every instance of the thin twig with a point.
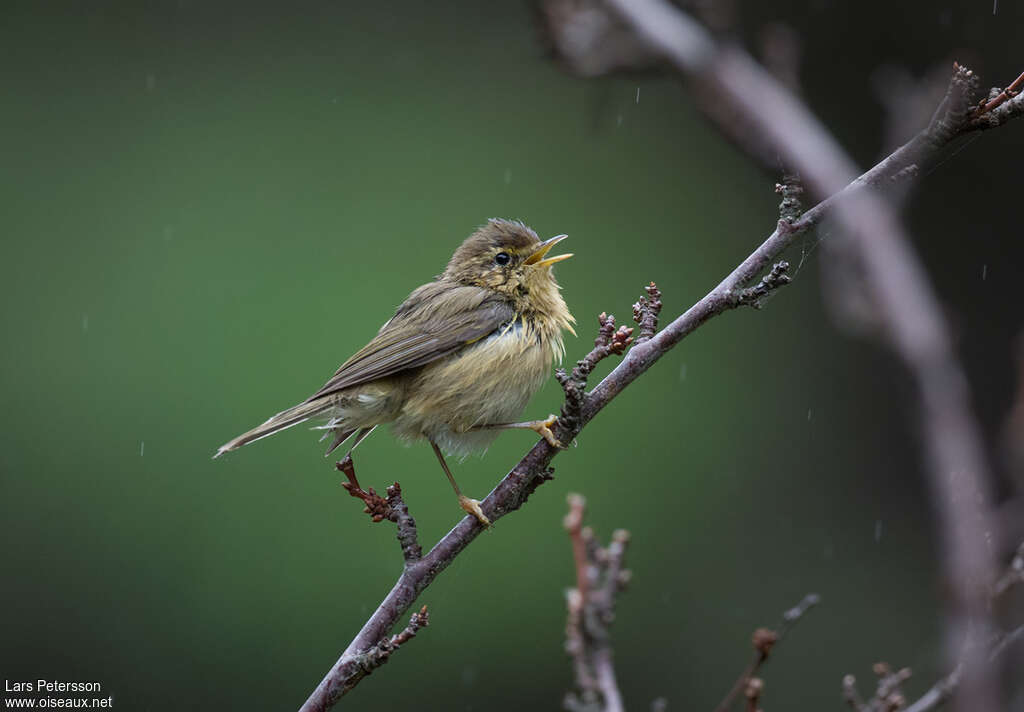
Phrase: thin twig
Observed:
(938, 693)
(573, 524)
(646, 311)
(852, 695)
(407, 536)
(393, 508)
(1013, 575)
(764, 640)
(776, 277)
(376, 506)
(365, 663)
(1000, 98)
(609, 341)
(600, 577)
(1005, 640)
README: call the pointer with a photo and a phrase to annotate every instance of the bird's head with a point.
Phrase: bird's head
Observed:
(508, 257)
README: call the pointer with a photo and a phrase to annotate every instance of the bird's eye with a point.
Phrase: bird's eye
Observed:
(502, 258)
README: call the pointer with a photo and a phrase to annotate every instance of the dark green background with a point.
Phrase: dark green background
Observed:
(206, 207)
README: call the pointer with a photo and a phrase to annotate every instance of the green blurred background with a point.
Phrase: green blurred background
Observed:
(208, 206)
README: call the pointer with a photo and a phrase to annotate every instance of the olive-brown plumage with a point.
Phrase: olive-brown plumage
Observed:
(460, 358)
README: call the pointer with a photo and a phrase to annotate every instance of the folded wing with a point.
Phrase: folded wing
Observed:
(435, 321)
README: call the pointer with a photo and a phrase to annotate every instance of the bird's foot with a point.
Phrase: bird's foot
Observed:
(543, 428)
(472, 506)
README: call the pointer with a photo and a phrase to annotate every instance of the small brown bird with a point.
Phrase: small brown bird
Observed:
(458, 361)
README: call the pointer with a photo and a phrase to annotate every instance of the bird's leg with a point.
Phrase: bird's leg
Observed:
(541, 427)
(470, 506)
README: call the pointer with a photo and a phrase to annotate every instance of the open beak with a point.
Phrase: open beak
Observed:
(537, 258)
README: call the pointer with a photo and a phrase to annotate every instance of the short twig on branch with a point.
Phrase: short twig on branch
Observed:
(792, 192)
(1000, 98)
(1005, 640)
(600, 577)
(776, 277)
(646, 311)
(763, 640)
(376, 506)
(609, 341)
(393, 508)
(364, 664)
(888, 696)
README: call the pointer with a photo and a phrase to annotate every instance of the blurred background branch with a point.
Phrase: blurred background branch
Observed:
(764, 117)
(764, 641)
(889, 696)
(600, 577)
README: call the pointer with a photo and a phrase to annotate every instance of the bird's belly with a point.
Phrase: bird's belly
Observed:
(486, 383)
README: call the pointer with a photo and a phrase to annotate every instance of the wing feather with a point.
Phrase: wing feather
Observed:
(435, 321)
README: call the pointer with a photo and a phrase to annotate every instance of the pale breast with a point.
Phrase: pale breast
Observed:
(487, 382)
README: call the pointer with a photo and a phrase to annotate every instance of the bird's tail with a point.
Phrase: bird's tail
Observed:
(285, 419)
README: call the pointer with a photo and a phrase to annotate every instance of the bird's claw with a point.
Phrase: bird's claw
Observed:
(543, 428)
(472, 506)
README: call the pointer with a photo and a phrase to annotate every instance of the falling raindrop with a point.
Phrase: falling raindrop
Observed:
(638, 95)
(809, 415)
(984, 272)
(85, 322)
(508, 176)
(682, 372)
(142, 449)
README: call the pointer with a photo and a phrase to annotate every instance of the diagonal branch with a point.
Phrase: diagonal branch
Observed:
(740, 82)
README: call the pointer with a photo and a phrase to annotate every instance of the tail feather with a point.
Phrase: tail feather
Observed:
(341, 436)
(277, 423)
